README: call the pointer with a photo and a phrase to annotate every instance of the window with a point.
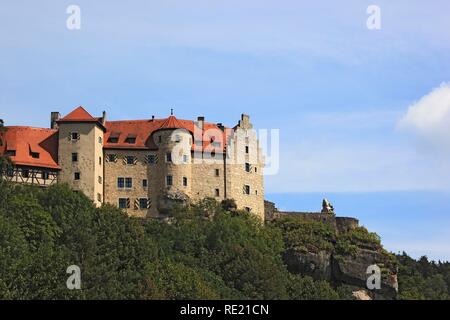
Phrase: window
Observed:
(246, 149)
(120, 183)
(144, 183)
(100, 140)
(143, 203)
(100, 161)
(256, 169)
(256, 192)
(99, 197)
(74, 157)
(113, 139)
(34, 155)
(217, 172)
(128, 183)
(45, 175)
(185, 158)
(74, 136)
(100, 180)
(10, 153)
(248, 167)
(159, 139)
(130, 140)
(130, 160)
(248, 209)
(151, 159)
(76, 176)
(169, 180)
(246, 189)
(10, 172)
(25, 173)
(177, 138)
(124, 203)
(169, 157)
(217, 192)
(111, 157)
(185, 181)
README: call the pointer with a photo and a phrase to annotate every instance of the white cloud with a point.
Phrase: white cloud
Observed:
(429, 118)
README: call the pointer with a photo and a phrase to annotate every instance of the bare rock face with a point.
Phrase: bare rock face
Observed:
(171, 200)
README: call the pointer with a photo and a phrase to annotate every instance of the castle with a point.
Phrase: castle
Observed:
(143, 166)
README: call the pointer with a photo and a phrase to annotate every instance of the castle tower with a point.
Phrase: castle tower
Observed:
(80, 152)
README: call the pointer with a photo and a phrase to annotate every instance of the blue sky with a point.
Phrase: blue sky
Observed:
(359, 120)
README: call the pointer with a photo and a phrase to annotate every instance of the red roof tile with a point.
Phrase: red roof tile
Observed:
(27, 140)
(79, 114)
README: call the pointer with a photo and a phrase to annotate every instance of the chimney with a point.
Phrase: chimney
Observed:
(153, 117)
(103, 117)
(221, 126)
(54, 117)
(201, 122)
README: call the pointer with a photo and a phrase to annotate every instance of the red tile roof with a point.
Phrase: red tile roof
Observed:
(143, 131)
(27, 140)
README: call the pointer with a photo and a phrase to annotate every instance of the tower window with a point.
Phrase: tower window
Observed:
(120, 183)
(100, 140)
(246, 189)
(143, 203)
(130, 160)
(100, 180)
(248, 167)
(151, 159)
(76, 176)
(169, 180)
(248, 209)
(99, 197)
(100, 161)
(169, 157)
(74, 136)
(144, 183)
(128, 183)
(246, 149)
(159, 139)
(217, 192)
(74, 157)
(217, 172)
(185, 158)
(185, 181)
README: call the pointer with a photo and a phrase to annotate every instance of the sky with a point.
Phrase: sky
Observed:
(363, 114)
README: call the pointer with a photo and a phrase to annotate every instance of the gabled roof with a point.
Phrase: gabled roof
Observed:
(79, 114)
(27, 140)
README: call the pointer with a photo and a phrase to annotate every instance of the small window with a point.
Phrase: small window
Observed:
(151, 159)
(112, 157)
(169, 157)
(120, 183)
(25, 173)
(10, 172)
(35, 155)
(130, 140)
(99, 197)
(100, 140)
(100, 161)
(144, 183)
(217, 171)
(256, 192)
(177, 138)
(256, 169)
(74, 157)
(100, 180)
(185, 181)
(143, 203)
(76, 176)
(248, 167)
(113, 139)
(130, 160)
(75, 136)
(159, 139)
(217, 192)
(169, 180)
(185, 158)
(246, 149)
(10, 153)
(248, 209)
(246, 189)
(128, 183)
(124, 203)
(45, 175)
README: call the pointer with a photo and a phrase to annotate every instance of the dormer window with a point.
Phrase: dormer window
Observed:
(114, 137)
(10, 153)
(131, 139)
(34, 155)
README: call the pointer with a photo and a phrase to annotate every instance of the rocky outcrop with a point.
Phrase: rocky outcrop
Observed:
(169, 201)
